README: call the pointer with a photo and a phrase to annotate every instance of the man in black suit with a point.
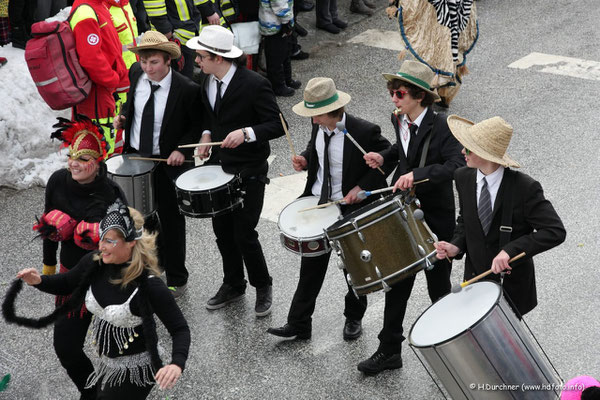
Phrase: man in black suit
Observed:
(502, 212)
(425, 152)
(161, 113)
(348, 175)
(240, 110)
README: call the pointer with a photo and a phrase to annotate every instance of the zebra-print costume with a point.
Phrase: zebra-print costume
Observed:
(453, 14)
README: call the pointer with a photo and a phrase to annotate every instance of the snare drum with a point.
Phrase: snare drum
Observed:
(382, 243)
(136, 179)
(472, 340)
(207, 191)
(303, 232)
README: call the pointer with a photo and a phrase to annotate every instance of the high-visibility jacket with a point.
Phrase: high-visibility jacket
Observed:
(178, 16)
(99, 52)
(126, 25)
(224, 8)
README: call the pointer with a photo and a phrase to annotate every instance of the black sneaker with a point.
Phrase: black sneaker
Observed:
(300, 55)
(300, 30)
(224, 296)
(284, 91)
(379, 362)
(289, 333)
(293, 84)
(264, 301)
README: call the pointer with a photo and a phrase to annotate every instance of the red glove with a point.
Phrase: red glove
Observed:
(56, 226)
(87, 235)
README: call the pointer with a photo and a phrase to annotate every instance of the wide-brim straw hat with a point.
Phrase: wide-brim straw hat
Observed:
(153, 40)
(321, 97)
(217, 40)
(417, 74)
(488, 139)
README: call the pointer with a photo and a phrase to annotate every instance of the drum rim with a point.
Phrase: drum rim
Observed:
(234, 178)
(232, 207)
(374, 204)
(475, 324)
(324, 235)
(126, 156)
(326, 247)
(354, 230)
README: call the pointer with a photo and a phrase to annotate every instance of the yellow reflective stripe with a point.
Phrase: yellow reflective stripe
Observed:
(183, 35)
(203, 1)
(227, 8)
(155, 8)
(103, 24)
(198, 2)
(84, 11)
(182, 10)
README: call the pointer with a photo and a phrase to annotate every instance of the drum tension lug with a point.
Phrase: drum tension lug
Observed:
(428, 264)
(386, 287)
(378, 272)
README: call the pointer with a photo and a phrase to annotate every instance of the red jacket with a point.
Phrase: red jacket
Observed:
(99, 51)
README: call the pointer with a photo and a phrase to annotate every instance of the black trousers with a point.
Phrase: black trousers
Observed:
(125, 391)
(69, 337)
(171, 236)
(326, 11)
(396, 300)
(278, 58)
(237, 239)
(312, 275)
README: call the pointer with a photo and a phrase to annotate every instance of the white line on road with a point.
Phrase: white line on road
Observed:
(390, 40)
(559, 65)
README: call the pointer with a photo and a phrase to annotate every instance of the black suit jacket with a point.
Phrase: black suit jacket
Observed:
(535, 228)
(181, 122)
(443, 157)
(248, 101)
(355, 170)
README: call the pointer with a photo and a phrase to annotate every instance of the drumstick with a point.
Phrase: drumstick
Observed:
(154, 159)
(287, 135)
(342, 127)
(193, 145)
(322, 205)
(363, 194)
(458, 288)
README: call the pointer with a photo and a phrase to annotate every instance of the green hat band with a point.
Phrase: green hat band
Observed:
(414, 80)
(322, 103)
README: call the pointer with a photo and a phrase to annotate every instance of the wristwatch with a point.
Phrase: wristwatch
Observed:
(246, 135)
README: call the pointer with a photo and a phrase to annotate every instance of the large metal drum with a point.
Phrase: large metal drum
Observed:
(479, 350)
(136, 178)
(383, 243)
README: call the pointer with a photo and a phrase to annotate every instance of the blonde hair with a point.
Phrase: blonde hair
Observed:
(143, 253)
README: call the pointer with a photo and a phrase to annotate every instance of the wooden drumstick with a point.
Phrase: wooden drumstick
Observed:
(340, 125)
(458, 288)
(194, 145)
(322, 205)
(287, 135)
(154, 159)
(363, 194)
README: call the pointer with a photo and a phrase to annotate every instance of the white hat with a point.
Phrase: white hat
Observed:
(215, 39)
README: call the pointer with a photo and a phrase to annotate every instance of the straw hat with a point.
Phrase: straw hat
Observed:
(217, 40)
(321, 97)
(153, 40)
(488, 139)
(417, 74)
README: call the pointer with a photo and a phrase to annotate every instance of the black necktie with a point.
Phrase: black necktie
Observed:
(147, 126)
(218, 97)
(413, 130)
(484, 208)
(326, 187)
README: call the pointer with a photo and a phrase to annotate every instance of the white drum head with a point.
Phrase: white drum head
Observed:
(307, 223)
(203, 178)
(454, 314)
(120, 164)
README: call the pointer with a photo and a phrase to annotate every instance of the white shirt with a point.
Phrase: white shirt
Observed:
(405, 131)
(142, 93)
(493, 180)
(211, 93)
(336, 158)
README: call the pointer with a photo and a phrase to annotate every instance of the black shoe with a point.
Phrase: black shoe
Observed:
(370, 4)
(264, 301)
(284, 91)
(331, 28)
(379, 362)
(289, 333)
(352, 329)
(293, 84)
(224, 296)
(358, 7)
(300, 55)
(304, 6)
(300, 30)
(340, 24)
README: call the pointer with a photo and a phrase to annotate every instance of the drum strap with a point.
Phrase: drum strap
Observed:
(425, 149)
(507, 208)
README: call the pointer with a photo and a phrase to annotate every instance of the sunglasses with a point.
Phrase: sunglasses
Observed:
(399, 93)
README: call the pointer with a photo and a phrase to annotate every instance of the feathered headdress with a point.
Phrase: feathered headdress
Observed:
(81, 136)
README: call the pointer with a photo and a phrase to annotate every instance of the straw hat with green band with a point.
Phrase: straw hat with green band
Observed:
(488, 139)
(417, 74)
(321, 97)
(153, 40)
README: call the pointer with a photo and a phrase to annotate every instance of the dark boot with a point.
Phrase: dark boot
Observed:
(19, 37)
(358, 7)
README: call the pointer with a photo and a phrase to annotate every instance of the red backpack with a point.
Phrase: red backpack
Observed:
(52, 60)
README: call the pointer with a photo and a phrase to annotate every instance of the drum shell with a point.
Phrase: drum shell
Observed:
(305, 247)
(211, 202)
(399, 245)
(138, 189)
(495, 351)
